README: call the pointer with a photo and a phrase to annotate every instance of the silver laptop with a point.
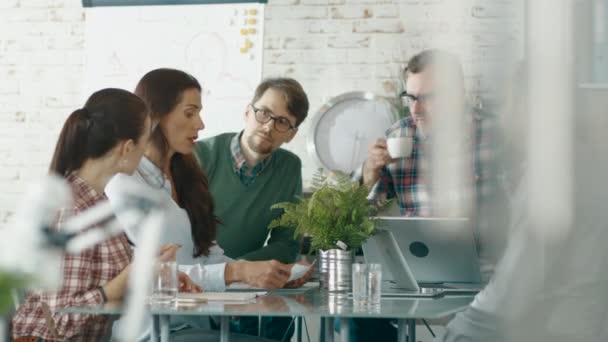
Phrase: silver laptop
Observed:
(425, 255)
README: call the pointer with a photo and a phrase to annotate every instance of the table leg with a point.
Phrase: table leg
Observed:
(322, 330)
(299, 329)
(344, 330)
(224, 328)
(4, 324)
(401, 331)
(164, 328)
(260, 327)
(328, 323)
(411, 330)
(154, 333)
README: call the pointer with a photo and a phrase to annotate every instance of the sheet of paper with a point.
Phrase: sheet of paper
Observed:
(298, 271)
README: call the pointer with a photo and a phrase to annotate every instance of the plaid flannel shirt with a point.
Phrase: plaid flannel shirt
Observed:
(83, 274)
(406, 179)
(246, 175)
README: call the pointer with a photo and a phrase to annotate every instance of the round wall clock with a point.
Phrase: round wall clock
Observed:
(344, 128)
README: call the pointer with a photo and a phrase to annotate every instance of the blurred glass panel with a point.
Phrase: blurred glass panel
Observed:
(600, 41)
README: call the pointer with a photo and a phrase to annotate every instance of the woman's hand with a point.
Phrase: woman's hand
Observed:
(186, 284)
(168, 252)
(117, 287)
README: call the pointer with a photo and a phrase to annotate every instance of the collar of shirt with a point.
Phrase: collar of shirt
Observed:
(152, 175)
(83, 192)
(239, 164)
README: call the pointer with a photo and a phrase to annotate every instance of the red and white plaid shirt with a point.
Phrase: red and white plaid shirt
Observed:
(406, 178)
(83, 274)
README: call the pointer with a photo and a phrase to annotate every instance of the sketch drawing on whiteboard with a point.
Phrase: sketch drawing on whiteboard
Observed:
(218, 44)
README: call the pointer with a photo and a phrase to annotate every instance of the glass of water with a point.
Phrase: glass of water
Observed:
(360, 282)
(165, 283)
(374, 283)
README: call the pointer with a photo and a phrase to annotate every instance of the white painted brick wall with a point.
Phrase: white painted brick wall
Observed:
(331, 46)
(41, 68)
(362, 45)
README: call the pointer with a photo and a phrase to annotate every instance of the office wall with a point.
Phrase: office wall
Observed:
(331, 46)
(41, 70)
(335, 46)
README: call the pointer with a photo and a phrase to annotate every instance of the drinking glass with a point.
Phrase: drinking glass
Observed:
(165, 283)
(360, 284)
(374, 283)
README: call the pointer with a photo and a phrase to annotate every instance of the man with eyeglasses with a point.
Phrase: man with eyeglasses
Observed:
(248, 172)
(434, 89)
(431, 76)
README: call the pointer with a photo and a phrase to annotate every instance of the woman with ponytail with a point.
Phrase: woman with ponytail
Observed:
(105, 137)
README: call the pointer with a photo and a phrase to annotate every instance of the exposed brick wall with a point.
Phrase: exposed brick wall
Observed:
(331, 46)
(335, 46)
(41, 68)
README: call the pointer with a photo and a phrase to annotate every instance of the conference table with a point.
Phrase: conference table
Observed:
(309, 303)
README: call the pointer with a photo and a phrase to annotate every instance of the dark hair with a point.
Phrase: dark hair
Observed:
(108, 117)
(162, 90)
(293, 93)
(450, 67)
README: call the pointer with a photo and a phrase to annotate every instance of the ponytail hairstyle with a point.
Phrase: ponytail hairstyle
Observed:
(162, 91)
(108, 117)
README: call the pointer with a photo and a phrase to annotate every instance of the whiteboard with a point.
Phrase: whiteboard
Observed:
(221, 45)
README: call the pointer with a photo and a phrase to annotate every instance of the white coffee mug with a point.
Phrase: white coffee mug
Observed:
(399, 147)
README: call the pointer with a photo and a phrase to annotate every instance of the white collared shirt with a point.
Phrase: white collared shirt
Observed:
(179, 230)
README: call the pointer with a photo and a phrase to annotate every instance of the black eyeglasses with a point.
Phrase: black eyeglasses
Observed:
(422, 98)
(281, 123)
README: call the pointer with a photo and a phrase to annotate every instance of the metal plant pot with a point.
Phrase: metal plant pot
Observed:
(335, 270)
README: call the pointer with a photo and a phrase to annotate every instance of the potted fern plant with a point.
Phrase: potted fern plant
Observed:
(337, 218)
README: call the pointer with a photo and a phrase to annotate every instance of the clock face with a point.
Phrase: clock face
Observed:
(346, 126)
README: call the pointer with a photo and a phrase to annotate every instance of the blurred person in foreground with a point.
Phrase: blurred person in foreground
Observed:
(549, 285)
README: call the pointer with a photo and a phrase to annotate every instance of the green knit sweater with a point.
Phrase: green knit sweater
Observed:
(245, 209)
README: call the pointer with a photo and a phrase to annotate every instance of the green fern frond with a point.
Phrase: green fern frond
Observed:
(338, 210)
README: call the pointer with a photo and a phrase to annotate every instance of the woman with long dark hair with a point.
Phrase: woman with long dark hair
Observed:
(174, 100)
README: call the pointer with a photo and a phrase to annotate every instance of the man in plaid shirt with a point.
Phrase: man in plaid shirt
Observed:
(434, 82)
(408, 179)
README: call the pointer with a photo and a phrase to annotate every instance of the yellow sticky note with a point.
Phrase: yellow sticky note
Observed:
(244, 31)
(244, 50)
(248, 44)
(253, 12)
(251, 31)
(252, 21)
